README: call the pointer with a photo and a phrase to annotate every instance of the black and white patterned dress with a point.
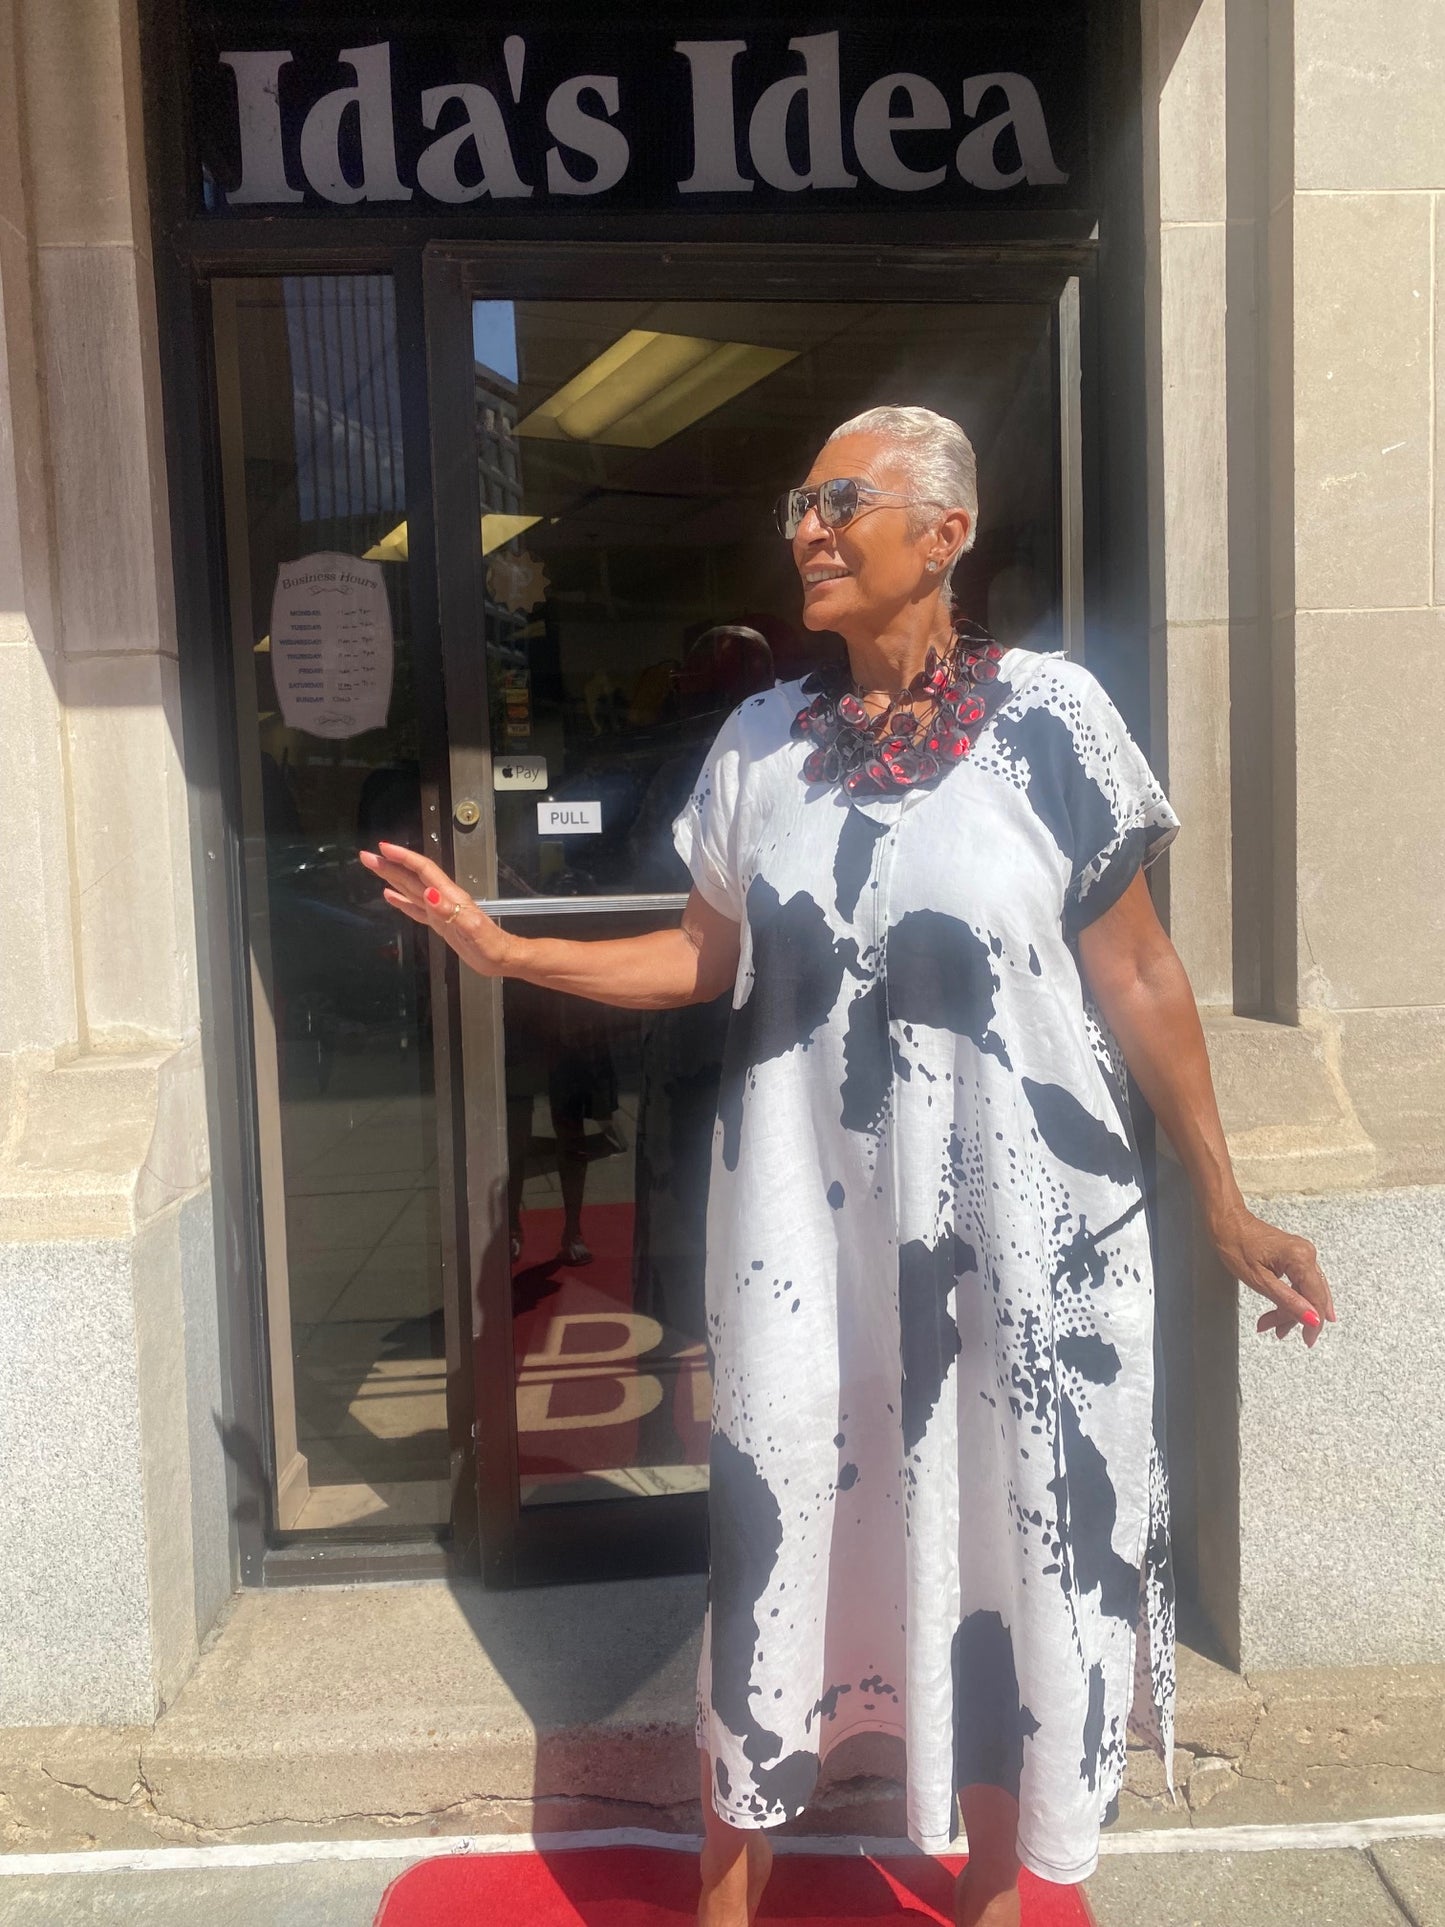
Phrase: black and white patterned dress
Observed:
(939, 1506)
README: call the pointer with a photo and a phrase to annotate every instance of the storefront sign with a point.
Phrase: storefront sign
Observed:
(983, 109)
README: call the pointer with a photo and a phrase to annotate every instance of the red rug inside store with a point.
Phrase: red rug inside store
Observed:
(596, 1390)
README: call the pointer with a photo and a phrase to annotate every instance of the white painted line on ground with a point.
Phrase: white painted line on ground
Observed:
(1329, 1833)
(282, 1853)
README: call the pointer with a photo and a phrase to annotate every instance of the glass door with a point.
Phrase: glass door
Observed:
(612, 587)
(328, 661)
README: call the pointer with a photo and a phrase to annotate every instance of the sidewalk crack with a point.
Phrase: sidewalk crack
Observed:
(1382, 1875)
(136, 1796)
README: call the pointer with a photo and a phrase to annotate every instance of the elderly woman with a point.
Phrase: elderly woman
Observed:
(938, 1504)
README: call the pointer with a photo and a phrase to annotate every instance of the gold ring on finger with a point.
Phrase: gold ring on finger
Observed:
(455, 912)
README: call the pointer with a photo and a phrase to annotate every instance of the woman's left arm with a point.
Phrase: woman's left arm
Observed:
(1141, 988)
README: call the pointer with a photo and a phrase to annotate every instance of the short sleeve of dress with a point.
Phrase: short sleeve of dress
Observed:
(1120, 816)
(705, 831)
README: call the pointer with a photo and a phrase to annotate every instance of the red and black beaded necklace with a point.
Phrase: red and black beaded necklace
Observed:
(928, 727)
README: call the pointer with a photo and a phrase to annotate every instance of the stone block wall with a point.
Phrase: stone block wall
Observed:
(1297, 287)
(113, 1506)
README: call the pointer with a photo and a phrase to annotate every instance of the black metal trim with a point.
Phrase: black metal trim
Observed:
(612, 1539)
(208, 725)
(483, 1293)
(448, 1086)
(1115, 420)
(340, 1561)
(370, 243)
(807, 270)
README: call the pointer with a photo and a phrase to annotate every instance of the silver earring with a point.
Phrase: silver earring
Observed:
(932, 566)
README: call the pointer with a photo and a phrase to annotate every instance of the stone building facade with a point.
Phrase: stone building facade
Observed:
(1290, 162)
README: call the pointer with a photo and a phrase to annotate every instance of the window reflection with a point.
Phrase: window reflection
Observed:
(634, 592)
(312, 453)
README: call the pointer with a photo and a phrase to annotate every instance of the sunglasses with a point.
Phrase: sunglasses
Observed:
(836, 502)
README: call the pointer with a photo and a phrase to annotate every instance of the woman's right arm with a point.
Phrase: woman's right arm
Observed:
(661, 970)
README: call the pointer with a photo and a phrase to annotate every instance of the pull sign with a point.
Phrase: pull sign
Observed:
(519, 773)
(569, 819)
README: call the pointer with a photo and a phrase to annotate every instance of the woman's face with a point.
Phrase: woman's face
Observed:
(865, 573)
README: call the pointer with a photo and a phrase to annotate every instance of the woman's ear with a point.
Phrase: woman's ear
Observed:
(952, 532)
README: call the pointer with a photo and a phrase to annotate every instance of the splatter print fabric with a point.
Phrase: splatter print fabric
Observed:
(938, 1505)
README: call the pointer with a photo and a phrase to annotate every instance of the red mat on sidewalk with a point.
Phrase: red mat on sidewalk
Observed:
(657, 1887)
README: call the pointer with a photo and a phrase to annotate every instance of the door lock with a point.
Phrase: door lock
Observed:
(467, 815)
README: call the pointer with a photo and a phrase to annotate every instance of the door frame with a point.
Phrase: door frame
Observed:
(597, 1539)
(188, 249)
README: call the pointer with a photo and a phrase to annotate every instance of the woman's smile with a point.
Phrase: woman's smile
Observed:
(815, 574)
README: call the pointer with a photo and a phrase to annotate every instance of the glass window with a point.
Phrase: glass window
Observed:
(330, 760)
(629, 455)
(635, 590)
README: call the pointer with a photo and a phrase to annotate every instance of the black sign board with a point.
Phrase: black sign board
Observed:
(306, 111)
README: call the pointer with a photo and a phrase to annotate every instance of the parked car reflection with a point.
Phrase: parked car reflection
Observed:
(344, 976)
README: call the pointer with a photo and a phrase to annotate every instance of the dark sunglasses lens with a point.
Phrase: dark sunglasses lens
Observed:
(838, 502)
(790, 510)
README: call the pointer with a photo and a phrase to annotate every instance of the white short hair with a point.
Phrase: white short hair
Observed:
(937, 456)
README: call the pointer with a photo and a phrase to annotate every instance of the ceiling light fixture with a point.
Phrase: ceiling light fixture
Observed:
(647, 387)
(394, 547)
(496, 529)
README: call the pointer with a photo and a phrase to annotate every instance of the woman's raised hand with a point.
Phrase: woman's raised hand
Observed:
(423, 891)
(656, 970)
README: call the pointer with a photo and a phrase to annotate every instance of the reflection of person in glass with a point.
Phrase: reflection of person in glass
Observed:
(560, 1046)
(682, 1049)
(938, 1501)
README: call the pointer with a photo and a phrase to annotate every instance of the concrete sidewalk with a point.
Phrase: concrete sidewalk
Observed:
(393, 1711)
(321, 1894)
(1397, 1883)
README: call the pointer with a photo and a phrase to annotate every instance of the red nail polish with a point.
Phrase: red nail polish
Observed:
(1312, 1317)
(433, 895)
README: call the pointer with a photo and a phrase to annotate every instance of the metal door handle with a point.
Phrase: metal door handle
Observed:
(578, 906)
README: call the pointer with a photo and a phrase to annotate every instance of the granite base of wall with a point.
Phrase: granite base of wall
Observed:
(1342, 1502)
(112, 1479)
(1308, 1505)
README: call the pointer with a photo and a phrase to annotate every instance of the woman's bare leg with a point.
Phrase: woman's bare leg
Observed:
(572, 1175)
(988, 1889)
(736, 1862)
